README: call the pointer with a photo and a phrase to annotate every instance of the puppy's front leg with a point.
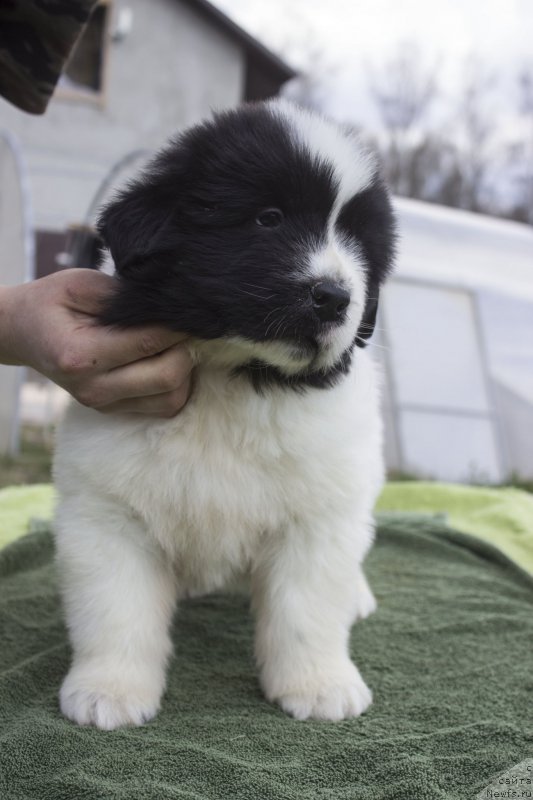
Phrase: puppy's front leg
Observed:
(306, 594)
(119, 595)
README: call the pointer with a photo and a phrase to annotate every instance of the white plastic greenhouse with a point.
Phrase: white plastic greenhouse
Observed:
(456, 339)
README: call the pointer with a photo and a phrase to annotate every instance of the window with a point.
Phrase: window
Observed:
(84, 74)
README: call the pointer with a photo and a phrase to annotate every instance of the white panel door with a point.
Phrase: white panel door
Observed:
(442, 409)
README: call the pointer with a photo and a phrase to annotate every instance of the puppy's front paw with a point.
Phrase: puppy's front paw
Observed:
(366, 602)
(334, 695)
(93, 697)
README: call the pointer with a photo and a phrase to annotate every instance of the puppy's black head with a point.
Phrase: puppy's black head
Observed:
(267, 228)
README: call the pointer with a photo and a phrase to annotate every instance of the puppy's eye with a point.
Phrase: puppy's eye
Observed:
(269, 218)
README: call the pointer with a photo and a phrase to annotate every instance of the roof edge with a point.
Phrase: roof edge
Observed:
(245, 39)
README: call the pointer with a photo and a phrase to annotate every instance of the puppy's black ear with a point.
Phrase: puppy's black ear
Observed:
(143, 219)
(136, 225)
(368, 322)
(143, 229)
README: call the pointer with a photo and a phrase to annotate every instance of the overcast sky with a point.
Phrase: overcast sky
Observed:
(499, 29)
(356, 33)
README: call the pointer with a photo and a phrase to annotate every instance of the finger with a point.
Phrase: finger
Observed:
(111, 348)
(162, 405)
(159, 374)
(86, 290)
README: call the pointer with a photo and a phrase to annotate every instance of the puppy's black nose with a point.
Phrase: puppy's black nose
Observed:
(330, 301)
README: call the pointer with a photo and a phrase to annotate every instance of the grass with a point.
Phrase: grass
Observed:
(33, 463)
(513, 481)
(517, 483)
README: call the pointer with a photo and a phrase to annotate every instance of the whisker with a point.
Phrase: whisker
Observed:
(373, 344)
(271, 325)
(371, 327)
(255, 286)
(251, 294)
(278, 308)
(282, 325)
(275, 320)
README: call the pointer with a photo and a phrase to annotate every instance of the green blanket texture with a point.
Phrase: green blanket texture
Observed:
(448, 654)
(503, 517)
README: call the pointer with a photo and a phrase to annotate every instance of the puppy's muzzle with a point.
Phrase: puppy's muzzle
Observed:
(330, 301)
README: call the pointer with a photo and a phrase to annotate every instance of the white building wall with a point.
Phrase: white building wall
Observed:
(16, 266)
(172, 69)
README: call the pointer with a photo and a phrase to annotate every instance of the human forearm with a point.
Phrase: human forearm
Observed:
(9, 299)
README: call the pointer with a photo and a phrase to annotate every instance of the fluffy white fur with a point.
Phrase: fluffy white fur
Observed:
(278, 488)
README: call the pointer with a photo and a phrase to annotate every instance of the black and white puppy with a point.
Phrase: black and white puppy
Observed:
(265, 235)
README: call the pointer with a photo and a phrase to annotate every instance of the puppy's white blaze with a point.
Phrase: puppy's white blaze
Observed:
(335, 261)
(339, 263)
(353, 165)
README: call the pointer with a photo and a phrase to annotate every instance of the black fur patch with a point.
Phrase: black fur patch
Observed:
(186, 244)
(190, 254)
(264, 376)
(367, 219)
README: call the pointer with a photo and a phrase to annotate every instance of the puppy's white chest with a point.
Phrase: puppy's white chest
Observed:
(212, 495)
(232, 468)
(207, 485)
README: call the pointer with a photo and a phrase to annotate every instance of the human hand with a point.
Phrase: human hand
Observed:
(51, 325)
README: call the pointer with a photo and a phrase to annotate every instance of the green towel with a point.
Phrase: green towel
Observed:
(503, 517)
(449, 656)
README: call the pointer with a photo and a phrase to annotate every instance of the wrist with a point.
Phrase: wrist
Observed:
(10, 311)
